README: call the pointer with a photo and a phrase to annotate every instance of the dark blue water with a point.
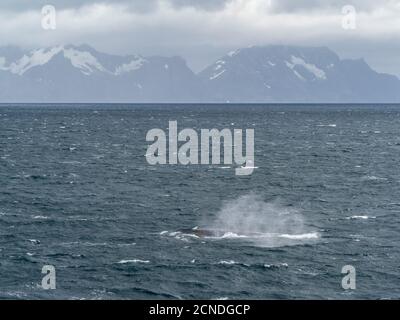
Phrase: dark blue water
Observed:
(77, 193)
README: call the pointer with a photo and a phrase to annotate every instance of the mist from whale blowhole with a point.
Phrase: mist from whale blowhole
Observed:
(266, 224)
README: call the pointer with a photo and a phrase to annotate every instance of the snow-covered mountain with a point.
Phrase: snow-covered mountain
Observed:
(296, 74)
(255, 74)
(82, 74)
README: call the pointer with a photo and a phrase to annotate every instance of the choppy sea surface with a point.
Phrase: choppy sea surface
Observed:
(77, 193)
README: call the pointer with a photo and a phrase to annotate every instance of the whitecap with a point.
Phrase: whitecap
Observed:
(40, 217)
(360, 217)
(311, 235)
(229, 262)
(332, 125)
(126, 244)
(133, 261)
(189, 235)
(373, 178)
(279, 265)
(71, 162)
(95, 244)
(231, 235)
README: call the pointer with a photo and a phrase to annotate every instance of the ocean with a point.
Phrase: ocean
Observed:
(78, 194)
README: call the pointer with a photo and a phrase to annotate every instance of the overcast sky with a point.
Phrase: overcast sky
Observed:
(203, 30)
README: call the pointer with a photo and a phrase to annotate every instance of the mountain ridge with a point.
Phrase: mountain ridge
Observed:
(257, 74)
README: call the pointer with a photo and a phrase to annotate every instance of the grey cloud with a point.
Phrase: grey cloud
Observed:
(204, 34)
(278, 6)
(204, 4)
(136, 5)
(291, 6)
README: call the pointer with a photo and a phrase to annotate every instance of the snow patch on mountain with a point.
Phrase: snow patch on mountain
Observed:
(296, 61)
(131, 66)
(292, 66)
(219, 64)
(233, 53)
(36, 58)
(217, 75)
(83, 60)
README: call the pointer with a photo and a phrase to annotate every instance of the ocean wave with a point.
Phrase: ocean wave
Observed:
(40, 217)
(360, 217)
(179, 235)
(71, 162)
(332, 125)
(126, 244)
(231, 235)
(229, 262)
(34, 241)
(133, 261)
(232, 263)
(255, 265)
(275, 266)
(260, 239)
(311, 235)
(373, 178)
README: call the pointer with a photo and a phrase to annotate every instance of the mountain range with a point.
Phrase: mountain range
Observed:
(270, 74)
